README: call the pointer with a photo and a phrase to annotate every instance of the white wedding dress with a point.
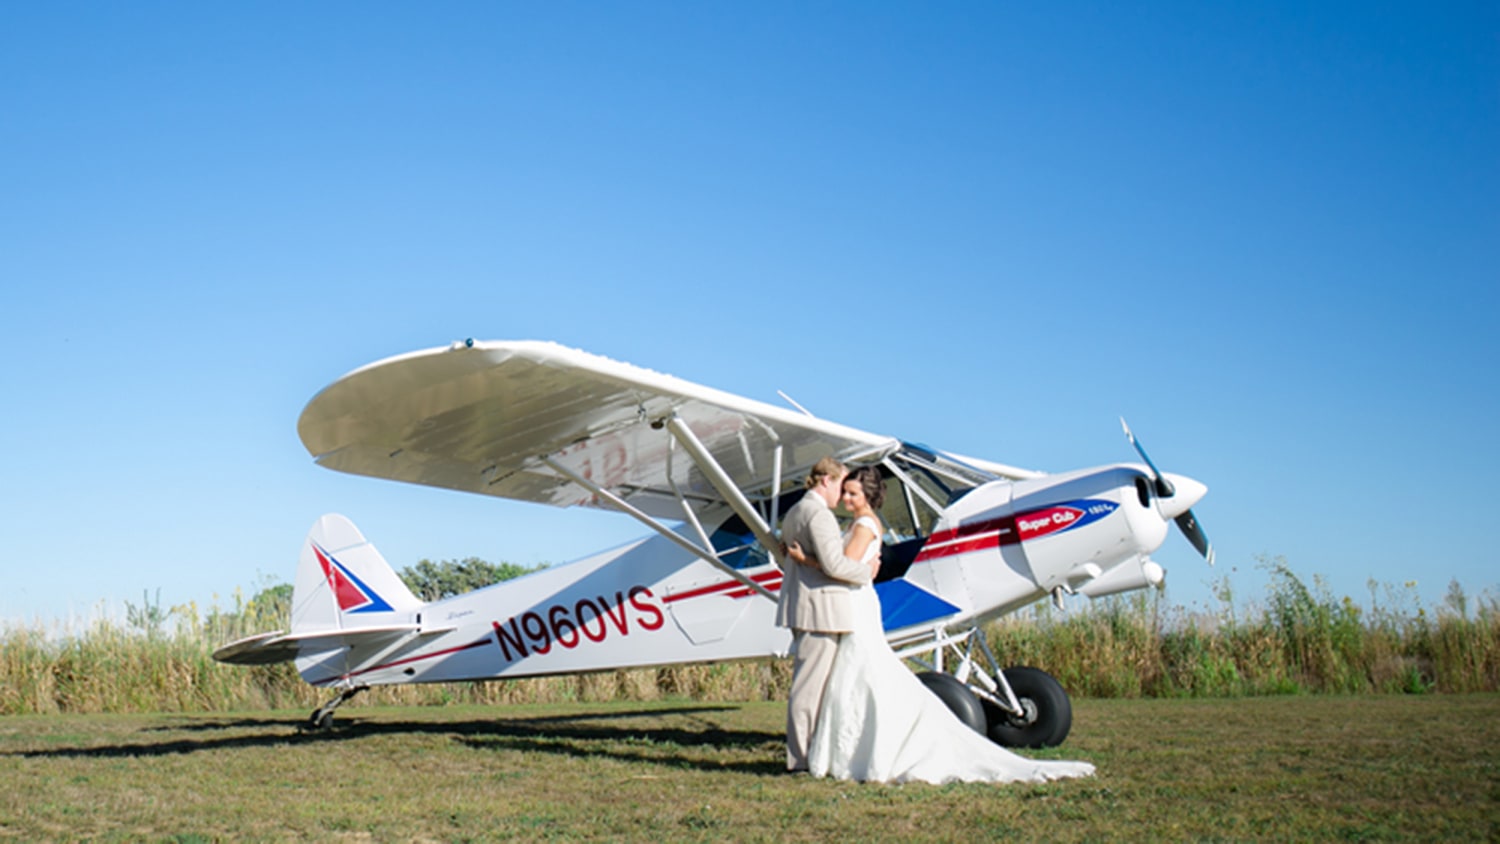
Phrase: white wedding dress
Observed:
(878, 723)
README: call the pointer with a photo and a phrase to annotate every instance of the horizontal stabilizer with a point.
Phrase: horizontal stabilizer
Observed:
(260, 649)
(268, 648)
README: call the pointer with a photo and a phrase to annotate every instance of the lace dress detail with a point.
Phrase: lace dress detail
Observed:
(880, 724)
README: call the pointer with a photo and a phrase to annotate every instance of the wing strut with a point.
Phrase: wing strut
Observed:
(776, 489)
(705, 554)
(687, 509)
(775, 511)
(726, 486)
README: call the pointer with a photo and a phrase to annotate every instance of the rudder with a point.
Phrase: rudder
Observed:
(343, 582)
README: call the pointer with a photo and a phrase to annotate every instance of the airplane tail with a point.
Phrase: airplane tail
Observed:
(344, 583)
(346, 595)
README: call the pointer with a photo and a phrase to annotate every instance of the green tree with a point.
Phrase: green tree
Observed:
(271, 607)
(430, 581)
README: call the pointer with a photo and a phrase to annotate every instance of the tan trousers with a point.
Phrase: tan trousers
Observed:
(811, 665)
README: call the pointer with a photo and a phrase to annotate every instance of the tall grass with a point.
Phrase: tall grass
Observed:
(1298, 639)
(1301, 639)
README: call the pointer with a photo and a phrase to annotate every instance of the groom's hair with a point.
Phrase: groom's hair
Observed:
(825, 468)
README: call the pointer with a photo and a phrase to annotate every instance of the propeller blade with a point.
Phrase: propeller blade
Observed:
(1164, 487)
(1192, 491)
(1188, 524)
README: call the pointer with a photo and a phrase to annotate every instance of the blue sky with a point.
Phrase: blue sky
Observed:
(1266, 234)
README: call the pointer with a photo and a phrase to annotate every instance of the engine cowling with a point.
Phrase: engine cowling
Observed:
(1007, 543)
(1066, 524)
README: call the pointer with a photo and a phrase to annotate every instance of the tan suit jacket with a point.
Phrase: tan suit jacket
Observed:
(817, 598)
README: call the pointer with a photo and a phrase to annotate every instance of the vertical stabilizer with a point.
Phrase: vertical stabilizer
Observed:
(344, 583)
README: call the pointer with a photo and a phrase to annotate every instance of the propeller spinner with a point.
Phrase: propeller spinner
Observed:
(1175, 497)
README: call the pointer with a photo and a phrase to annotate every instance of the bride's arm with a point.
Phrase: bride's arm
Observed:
(859, 541)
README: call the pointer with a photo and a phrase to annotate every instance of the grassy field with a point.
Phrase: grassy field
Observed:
(1424, 767)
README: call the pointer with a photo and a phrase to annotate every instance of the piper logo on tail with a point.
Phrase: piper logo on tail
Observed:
(1061, 517)
(351, 593)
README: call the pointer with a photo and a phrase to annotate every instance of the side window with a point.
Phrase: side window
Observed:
(897, 513)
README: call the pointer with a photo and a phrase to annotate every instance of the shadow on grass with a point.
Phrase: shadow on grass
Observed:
(582, 735)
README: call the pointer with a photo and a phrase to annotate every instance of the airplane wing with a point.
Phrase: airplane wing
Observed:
(487, 417)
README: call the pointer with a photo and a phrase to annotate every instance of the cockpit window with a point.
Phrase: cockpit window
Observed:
(921, 485)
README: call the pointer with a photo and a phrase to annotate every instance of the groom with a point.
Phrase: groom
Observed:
(814, 601)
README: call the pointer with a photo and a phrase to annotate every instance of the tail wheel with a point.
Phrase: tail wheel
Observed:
(1047, 714)
(957, 697)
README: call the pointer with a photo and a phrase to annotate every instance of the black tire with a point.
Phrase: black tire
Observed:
(320, 721)
(1049, 713)
(957, 697)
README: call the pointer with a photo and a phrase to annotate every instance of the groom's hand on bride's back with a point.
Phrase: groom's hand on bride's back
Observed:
(794, 552)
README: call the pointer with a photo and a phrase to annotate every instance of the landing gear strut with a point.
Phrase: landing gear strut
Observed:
(322, 718)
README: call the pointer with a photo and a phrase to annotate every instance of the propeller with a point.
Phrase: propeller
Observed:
(1175, 500)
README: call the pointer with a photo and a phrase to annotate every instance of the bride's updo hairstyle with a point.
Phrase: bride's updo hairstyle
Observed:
(825, 468)
(872, 484)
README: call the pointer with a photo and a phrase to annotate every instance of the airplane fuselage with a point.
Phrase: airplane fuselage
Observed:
(996, 547)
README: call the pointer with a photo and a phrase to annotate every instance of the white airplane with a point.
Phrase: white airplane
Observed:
(710, 473)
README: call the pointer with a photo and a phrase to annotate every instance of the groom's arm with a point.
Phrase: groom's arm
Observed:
(828, 546)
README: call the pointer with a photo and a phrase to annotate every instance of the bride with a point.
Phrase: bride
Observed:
(878, 723)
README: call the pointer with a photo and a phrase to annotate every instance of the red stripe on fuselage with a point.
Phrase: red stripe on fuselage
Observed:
(739, 589)
(975, 536)
(772, 583)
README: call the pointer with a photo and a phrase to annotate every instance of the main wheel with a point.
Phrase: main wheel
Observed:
(1047, 713)
(957, 697)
